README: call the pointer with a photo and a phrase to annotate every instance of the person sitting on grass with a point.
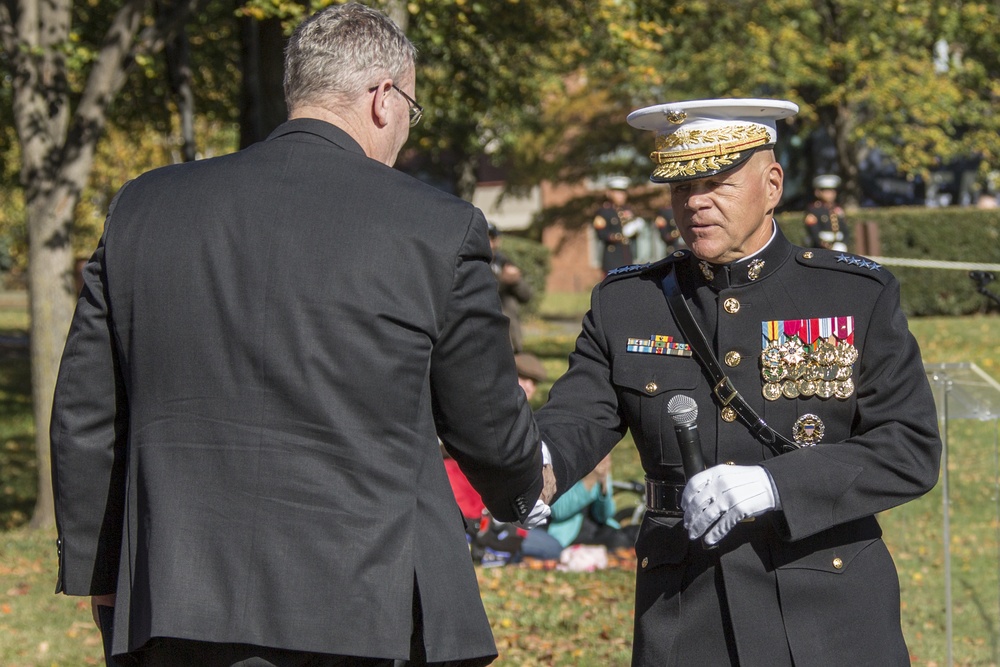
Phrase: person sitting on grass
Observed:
(585, 513)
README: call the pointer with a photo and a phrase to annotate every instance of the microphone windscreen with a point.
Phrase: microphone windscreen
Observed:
(682, 409)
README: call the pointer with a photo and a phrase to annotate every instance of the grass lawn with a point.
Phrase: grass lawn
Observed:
(553, 618)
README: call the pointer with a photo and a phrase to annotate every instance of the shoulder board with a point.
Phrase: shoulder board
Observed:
(631, 268)
(840, 261)
(636, 269)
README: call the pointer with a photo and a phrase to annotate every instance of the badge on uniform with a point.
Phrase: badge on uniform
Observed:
(809, 357)
(808, 430)
(658, 344)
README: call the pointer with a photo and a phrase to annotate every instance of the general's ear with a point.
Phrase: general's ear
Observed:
(775, 180)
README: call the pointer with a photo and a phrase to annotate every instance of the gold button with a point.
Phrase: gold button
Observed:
(731, 305)
(645, 562)
(651, 387)
(807, 255)
(728, 414)
(733, 358)
(838, 564)
(679, 253)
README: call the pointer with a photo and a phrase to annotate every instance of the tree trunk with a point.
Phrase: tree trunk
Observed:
(51, 283)
(178, 53)
(848, 158)
(396, 10)
(263, 101)
(57, 155)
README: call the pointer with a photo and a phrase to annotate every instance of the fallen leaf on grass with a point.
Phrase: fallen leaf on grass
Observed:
(20, 589)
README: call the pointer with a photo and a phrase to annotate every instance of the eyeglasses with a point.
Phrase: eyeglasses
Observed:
(416, 111)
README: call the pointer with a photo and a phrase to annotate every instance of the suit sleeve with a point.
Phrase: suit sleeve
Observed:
(582, 420)
(894, 452)
(88, 435)
(482, 415)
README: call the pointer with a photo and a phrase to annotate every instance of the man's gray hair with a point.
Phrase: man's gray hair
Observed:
(341, 51)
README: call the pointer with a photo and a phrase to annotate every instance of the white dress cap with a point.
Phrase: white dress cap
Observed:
(700, 138)
(826, 182)
(619, 182)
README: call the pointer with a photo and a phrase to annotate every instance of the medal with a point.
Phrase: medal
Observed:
(792, 352)
(847, 354)
(771, 356)
(790, 389)
(828, 373)
(826, 354)
(807, 357)
(844, 389)
(808, 430)
(772, 391)
(774, 373)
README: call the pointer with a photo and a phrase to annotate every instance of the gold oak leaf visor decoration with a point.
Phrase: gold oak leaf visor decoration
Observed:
(700, 138)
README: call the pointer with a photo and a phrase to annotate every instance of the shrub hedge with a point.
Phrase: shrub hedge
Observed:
(533, 260)
(948, 234)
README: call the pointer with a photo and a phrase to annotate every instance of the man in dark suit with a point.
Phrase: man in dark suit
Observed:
(266, 347)
(817, 417)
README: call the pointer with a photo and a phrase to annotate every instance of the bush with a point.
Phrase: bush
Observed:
(946, 234)
(533, 260)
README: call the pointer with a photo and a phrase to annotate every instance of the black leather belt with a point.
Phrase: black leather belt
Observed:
(664, 498)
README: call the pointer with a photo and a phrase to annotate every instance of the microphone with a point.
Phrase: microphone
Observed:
(683, 412)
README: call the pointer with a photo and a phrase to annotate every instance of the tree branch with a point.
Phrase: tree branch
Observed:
(109, 73)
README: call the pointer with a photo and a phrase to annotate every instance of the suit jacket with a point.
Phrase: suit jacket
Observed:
(812, 583)
(244, 436)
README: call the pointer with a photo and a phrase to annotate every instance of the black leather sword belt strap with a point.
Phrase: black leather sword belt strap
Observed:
(663, 498)
(722, 390)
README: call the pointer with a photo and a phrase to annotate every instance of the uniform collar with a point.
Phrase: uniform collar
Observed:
(318, 128)
(743, 272)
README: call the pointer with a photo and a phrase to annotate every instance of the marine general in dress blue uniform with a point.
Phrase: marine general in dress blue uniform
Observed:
(769, 557)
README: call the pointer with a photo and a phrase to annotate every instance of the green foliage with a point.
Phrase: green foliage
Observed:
(18, 464)
(124, 154)
(533, 260)
(866, 72)
(13, 233)
(486, 72)
(945, 234)
(142, 131)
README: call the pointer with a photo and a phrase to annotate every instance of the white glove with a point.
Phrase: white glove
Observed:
(540, 512)
(633, 227)
(538, 515)
(717, 499)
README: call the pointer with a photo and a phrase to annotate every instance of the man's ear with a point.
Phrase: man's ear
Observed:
(380, 103)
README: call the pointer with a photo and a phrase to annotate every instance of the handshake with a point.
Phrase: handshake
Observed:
(539, 514)
(714, 500)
